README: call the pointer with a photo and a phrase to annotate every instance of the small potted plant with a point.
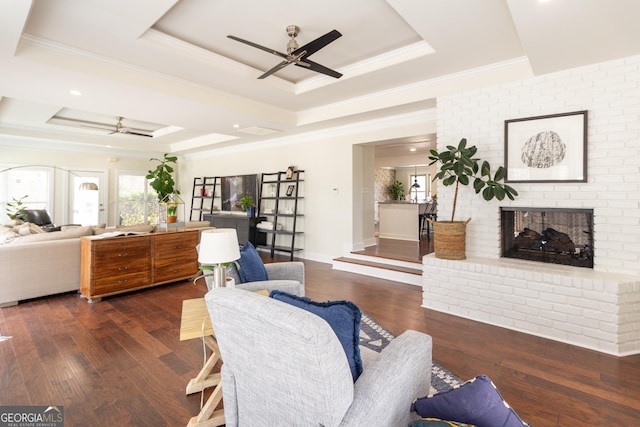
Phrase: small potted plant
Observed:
(459, 166)
(172, 211)
(247, 204)
(396, 191)
(15, 209)
(163, 183)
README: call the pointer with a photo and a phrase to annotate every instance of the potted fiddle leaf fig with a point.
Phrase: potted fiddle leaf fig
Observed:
(458, 166)
(162, 181)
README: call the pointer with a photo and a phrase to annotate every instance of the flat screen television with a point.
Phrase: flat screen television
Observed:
(236, 187)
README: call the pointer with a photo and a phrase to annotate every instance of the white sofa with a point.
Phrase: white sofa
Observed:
(40, 264)
(33, 270)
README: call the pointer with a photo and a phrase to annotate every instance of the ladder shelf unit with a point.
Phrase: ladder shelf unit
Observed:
(281, 202)
(204, 197)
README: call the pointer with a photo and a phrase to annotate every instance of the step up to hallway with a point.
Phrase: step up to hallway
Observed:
(389, 269)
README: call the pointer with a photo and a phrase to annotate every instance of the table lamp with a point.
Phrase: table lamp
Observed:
(218, 247)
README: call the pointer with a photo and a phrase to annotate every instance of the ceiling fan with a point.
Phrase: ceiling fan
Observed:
(129, 131)
(298, 55)
(119, 128)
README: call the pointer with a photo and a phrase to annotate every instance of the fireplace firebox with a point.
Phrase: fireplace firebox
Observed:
(551, 235)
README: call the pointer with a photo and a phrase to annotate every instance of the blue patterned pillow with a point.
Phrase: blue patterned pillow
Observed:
(343, 317)
(434, 422)
(476, 402)
(251, 268)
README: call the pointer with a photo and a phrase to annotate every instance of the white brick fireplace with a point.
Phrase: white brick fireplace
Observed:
(597, 308)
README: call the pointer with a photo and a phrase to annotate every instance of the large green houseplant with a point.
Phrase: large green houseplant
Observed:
(161, 180)
(458, 166)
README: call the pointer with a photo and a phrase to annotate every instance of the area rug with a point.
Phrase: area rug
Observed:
(375, 337)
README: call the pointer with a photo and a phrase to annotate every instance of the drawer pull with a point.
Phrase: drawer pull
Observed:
(123, 268)
(123, 254)
(122, 281)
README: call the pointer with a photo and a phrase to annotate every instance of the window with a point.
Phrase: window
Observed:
(421, 193)
(136, 199)
(34, 182)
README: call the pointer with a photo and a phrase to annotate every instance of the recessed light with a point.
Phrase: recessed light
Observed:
(75, 92)
(236, 126)
(412, 149)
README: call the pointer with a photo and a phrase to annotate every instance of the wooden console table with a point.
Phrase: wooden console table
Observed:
(113, 265)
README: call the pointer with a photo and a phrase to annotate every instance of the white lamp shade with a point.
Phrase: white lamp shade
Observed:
(218, 246)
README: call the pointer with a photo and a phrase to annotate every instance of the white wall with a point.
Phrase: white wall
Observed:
(327, 158)
(610, 91)
(364, 200)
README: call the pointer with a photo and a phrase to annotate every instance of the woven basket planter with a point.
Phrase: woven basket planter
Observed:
(450, 239)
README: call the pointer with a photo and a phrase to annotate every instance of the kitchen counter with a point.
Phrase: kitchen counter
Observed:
(400, 220)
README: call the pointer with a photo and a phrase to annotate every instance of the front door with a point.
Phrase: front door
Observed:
(87, 198)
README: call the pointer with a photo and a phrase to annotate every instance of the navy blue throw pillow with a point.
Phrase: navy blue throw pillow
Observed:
(251, 265)
(476, 402)
(343, 317)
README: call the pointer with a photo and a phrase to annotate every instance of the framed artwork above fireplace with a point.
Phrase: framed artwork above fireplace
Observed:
(551, 148)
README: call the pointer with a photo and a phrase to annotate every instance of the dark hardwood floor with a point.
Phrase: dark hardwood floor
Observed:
(400, 250)
(119, 362)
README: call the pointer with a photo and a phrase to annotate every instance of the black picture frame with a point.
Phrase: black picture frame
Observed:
(290, 190)
(290, 171)
(549, 148)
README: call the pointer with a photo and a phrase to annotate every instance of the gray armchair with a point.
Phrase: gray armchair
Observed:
(283, 276)
(285, 366)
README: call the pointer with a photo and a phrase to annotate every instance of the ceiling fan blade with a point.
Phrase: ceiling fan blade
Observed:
(130, 132)
(317, 44)
(98, 126)
(266, 49)
(314, 66)
(278, 67)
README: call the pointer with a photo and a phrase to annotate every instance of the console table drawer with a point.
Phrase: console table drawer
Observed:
(107, 285)
(174, 272)
(184, 257)
(175, 242)
(124, 267)
(121, 255)
(120, 244)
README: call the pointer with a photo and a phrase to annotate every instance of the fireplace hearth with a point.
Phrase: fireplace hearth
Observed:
(551, 235)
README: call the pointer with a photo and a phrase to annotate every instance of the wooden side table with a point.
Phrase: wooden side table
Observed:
(195, 323)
